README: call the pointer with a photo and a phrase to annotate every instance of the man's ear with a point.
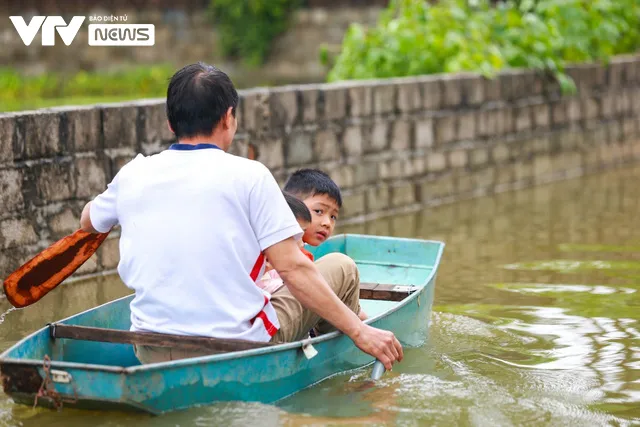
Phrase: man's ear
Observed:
(169, 126)
(228, 118)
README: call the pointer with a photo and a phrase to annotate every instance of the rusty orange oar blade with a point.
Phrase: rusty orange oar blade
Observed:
(42, 273)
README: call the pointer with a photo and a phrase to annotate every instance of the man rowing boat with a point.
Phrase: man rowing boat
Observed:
(196, 225)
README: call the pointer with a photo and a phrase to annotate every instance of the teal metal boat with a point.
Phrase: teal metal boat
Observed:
(50, 369)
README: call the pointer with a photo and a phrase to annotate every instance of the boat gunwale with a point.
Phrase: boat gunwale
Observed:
(228, 355)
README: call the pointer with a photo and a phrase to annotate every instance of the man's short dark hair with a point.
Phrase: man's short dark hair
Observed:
(308, 182)
(299, 209)
(198, 96)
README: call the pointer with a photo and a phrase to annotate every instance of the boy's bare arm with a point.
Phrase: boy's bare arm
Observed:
(309, 287)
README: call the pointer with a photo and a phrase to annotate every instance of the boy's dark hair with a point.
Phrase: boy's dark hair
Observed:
(198, 96)
(309, 182)
(299, 209)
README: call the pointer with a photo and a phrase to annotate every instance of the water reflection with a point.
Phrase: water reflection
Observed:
(557, 265)
(536, 322)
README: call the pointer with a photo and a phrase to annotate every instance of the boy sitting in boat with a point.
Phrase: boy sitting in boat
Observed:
(271, 281)
(323, 198)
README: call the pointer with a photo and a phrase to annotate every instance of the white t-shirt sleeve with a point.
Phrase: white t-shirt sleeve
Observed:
(271, 218)
(103, 209)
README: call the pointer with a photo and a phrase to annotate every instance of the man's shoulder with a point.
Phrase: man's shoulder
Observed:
(247, 166)
(244, 161)
(131, 165)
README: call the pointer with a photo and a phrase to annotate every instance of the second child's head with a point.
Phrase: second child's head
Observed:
(300, 211)
(322, 196)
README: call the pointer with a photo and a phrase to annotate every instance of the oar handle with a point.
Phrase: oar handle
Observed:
(377, 371)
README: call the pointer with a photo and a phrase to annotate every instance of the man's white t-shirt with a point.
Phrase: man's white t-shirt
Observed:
(194, 224)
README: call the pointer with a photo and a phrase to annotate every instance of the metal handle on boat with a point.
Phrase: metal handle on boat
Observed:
(378, 370)
(58, 376)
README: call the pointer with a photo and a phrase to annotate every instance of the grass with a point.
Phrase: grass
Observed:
(22, 92)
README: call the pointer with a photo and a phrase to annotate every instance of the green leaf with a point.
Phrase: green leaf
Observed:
(414, 36)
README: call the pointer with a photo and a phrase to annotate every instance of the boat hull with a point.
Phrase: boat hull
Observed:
(107, 376)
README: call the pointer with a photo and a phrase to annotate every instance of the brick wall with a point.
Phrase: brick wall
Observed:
(393, 145)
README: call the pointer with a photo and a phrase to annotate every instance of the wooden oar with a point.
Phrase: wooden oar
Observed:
(42, 273)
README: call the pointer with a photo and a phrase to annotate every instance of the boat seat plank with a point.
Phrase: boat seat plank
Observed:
(387, 292)
(215, 345)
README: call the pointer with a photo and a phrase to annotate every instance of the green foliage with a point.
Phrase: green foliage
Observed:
(414, 37)
(248, 27)
(23, 92)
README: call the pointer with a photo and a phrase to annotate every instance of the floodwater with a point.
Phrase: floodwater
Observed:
(536, 322)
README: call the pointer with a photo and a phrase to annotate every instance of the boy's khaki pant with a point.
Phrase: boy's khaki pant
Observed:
(338, 270)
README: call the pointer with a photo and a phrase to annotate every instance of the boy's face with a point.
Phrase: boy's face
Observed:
(324, 214)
